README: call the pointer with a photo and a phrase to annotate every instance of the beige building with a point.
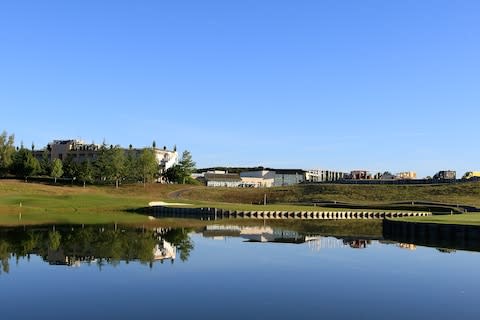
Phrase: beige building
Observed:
(407, 175)
(80, 151)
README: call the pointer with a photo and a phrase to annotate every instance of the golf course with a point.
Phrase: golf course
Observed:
(27, 203)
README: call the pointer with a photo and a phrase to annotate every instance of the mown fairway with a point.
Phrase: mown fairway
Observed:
(464, 193)
(32, 203)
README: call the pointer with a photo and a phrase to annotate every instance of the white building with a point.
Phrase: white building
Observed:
(227, 180)
(319, 175)
(276, 177)
(261, 178)
(166, 158)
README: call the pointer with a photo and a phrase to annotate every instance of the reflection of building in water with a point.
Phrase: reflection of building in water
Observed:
(326, 243)
(408, 246)
(257, 234)
(269, 234)
(164, 250)
(357, 244)
(58, 258)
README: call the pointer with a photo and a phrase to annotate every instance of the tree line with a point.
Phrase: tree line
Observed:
(112, 164)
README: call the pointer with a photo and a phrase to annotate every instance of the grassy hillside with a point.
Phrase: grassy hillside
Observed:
(464, 193)
(31, 203)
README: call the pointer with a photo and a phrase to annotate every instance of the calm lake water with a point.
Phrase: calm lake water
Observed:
(230, 272)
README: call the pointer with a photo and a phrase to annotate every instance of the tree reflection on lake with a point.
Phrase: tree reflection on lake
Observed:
(111, 244)
(240, 269)
(73, 245)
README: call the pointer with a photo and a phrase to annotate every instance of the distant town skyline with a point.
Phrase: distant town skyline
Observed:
(340, 85)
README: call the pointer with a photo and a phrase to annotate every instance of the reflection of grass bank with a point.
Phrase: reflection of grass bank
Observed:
(353, 228)
(459, 219)
(49, 217)
(338, 228)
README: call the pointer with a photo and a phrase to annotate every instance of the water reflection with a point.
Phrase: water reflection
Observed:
(73, 245)
(100, 245)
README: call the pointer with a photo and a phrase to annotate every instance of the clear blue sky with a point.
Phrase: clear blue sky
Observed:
(380, 85)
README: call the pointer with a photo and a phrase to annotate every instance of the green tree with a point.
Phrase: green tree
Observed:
(173, 174)
(7, 150)
(110, 164)
(101, 163)
(25, 164)
(45, 163)
(132, 171)
(187, 167)
(86, 172)
(70, 167)
(148, 164)
(57, 169)
(117, 164)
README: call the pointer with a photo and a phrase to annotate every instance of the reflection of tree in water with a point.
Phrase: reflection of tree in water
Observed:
(181, 240)
(54, 238)
(4, 256)
(70, 245)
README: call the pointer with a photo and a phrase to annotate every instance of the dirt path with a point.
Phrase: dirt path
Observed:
(178, 193)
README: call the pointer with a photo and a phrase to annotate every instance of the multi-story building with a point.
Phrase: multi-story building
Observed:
(318, 175)
(277, 177)
(360, 175)
(386, 176)
(263, 178)
(79, 151)
(288, 177)
(407, 175)
(445, 175)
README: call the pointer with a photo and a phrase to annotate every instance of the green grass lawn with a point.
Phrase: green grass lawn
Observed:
(40, 203)
(463, 193)
(270, 207)
(462, 219)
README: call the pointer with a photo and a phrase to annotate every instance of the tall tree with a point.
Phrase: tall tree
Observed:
(85, 172)
(25, 164)
(70, 167)
(173, 174)
(116, 166)
(7, 150)
(187, 166)
(132, 171)
(57, 169)
(45, 163)
(148, 164)
(101, 163)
